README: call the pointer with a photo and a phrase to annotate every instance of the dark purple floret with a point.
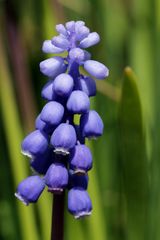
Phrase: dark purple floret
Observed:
(91, 125)
(56, 178)
(52, 113)
(79, 202)
(63, 138)
(80, 159)
(29, 190)
(63, 85)
(35, 143)
(78, 102)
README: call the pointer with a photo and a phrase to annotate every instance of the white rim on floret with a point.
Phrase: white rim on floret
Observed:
(62, 151)
(55, 190)
(82, 214)
(22, 199)
(26, 153)
(79, 171)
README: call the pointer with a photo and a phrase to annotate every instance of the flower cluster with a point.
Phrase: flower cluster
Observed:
(59, 157)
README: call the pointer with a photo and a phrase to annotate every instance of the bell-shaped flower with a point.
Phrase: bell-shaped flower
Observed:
(96, 69)
(51, 67)
(43, 126)
(41, 163)
(70, 26)
(79, 202)
(87, 85)
(56, 178)
(80, 159)
(35, 143)
(78, 25)
(63, 138)
(52, 113)
(82, 32)
(78, 180)
(63, 85)
(47, 91)
(48, 47)
(78, 102)
(29, 190)
(91, 124)
(61, 42)
(92, 39)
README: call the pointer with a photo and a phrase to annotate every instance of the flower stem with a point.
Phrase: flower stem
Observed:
(58, 217)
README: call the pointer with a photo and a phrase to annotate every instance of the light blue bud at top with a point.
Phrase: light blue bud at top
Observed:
(29, 190)
(92, 39)
(96, 69)
(79, 203)
(35, 143)
(63, 138)
(78, 102)
(91, 124)
(47, 91)
(87, 85)
(48, 47)
(77, 55)
(43, 126)
(82, 32)
(41, 163)
(56, 178)
(78, 24)
(61, 29)
(80, 159)
(51, 67)
(78, 180)
(61, 42)
(70, 26)
(52, 113)
(63, 85)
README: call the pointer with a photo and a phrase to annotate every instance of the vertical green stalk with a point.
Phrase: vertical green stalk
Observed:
(14, 136)
(133, 159)
(155, 164)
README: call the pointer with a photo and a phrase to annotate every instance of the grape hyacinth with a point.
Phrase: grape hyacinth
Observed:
(59, 157)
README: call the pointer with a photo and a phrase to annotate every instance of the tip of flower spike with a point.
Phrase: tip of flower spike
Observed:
(61, 151)
(82, 214)
(23, 200)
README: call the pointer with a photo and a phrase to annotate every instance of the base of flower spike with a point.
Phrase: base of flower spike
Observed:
(27, 154)
(61, 151)
(55, 190)
(82, 214)
(23, 200)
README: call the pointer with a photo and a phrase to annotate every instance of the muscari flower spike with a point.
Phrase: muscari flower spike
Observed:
(57, 147)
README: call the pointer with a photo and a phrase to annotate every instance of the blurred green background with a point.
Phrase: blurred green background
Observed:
(124, 183)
